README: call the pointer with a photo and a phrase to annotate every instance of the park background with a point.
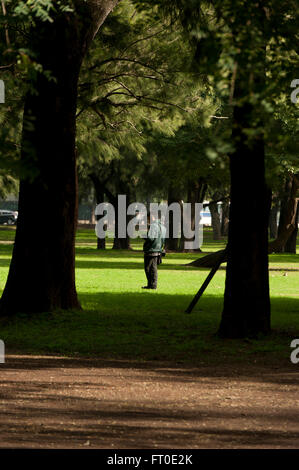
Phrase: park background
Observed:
(158, 100)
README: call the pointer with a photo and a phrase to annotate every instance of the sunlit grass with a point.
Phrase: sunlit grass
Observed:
(120, 320)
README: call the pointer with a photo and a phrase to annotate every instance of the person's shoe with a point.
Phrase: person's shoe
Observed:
(147, 287)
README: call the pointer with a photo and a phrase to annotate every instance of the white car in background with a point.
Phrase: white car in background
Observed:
(8, 217)
(206, 218)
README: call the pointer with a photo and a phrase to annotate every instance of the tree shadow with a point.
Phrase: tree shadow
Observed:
(106, 264)
(150, 330)
(60, 412)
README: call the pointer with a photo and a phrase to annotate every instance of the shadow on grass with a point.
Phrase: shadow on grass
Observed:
(151, 326)
(93, 263)
(106, 264)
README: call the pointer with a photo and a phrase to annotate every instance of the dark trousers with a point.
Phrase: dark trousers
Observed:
(151, 271)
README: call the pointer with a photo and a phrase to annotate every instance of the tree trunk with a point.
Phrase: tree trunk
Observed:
(101, 244)
(44, 242)
(224, 218)
(99, 192)
(273, 227)
(246, 308)
(216, 224)
(172, 243)
(196, 194)
(291, 244)
(288, 212)
(120, 243)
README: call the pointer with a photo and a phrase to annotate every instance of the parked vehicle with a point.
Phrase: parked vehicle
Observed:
(206, 218)
(8, 217)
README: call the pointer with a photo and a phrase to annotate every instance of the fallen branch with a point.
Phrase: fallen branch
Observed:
(210, 260)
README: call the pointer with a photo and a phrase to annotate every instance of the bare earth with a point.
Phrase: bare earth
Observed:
(58, 402)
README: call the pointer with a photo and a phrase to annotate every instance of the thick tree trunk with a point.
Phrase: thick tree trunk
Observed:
(46, 247)
(246, 308)
(48, 187)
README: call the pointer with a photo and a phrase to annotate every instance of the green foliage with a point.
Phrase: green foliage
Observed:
(194, 151)
(141, 105)
(252, 45)
(19, 69)
(39, 9)
(8, 185)
(156, 73)
(133, 84)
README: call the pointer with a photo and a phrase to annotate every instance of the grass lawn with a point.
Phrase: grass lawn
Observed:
(120, 320)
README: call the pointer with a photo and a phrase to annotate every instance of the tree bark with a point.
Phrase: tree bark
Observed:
(195, 194)
(99, 192)
(246, 309)
(288, 213)
(118, 242)
(172, 243)
(48, 186)
(224, 218)
(273, 227)
(291, 244)
(216, 223)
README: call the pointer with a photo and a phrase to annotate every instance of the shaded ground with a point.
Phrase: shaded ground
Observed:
(58, 402)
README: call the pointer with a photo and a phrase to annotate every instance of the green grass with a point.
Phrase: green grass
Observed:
(120, 320)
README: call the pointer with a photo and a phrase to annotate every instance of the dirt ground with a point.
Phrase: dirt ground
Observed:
(58, 402)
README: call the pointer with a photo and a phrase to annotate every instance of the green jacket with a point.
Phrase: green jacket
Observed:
(155, 238)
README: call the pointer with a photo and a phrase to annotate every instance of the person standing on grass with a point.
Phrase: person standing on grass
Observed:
(153, 251)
